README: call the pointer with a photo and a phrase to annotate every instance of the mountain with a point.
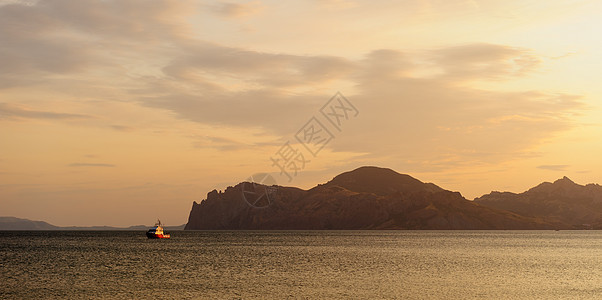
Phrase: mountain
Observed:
(380, 181)
(12, 223)
(365, 198)
(578, 206)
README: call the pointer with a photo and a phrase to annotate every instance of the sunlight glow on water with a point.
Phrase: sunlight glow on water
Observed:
(302, 264)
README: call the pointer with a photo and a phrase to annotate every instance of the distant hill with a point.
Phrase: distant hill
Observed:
(578, 206)
(12, 223)
(365, 198)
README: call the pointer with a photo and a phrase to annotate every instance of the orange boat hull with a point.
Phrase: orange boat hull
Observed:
(157, 236)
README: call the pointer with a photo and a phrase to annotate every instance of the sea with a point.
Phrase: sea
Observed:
(301, 265)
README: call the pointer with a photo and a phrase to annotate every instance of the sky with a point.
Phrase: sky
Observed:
(117, 112)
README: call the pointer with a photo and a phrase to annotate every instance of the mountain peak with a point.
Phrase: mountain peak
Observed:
(564, 180)
(380, 181)
(369, 171)
(548, 187)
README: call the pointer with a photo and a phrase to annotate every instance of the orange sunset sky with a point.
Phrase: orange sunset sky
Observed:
(116, 112)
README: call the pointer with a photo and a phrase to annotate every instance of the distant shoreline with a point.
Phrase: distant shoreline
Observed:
(19, 224)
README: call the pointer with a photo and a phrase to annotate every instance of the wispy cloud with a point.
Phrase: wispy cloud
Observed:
(91, 165)
(238, 10)
(228, 144)
(485, 61)
(554, 167)
(122, 127)
(12, 111)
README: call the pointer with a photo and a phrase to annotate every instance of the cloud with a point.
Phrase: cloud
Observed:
(429, 122)
(65, 37)
(238, 10)
(421, 109)
(268, 110)
(554, 167)
(227, 144)
(484, 61)
(247, 68)
(214, 84)
(432, 123)
(12, 111)
(338, 4)
(91, 165)
(122, 127)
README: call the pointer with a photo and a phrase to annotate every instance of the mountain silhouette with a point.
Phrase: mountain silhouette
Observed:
(380, 181)
(564, 201)
(12, 223)
(365, 198)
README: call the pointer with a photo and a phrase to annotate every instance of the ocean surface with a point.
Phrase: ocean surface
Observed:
(302, 264)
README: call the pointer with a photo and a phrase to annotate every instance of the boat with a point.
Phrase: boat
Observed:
(157, 232)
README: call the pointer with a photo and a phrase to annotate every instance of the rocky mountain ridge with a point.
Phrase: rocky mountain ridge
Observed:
(365, 198)
(577, 206)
